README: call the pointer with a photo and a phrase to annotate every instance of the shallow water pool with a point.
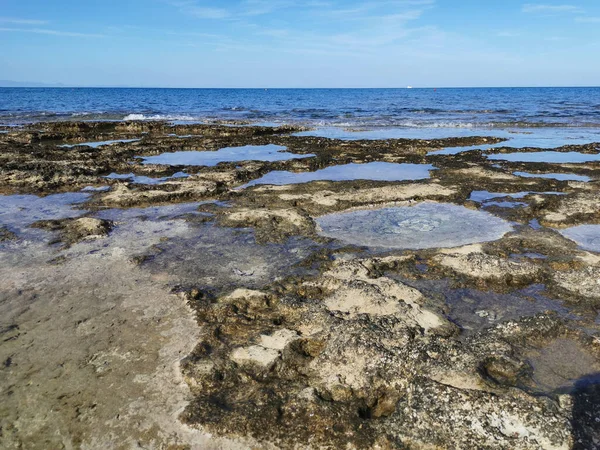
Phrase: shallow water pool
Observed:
(554, 176)
(546, 157)
(426, 225)
(377, 171)
(101, 143)
(484, 196)
(17, 212)
(391, 133)
(586, 236)
(228, 154)
(140, 179)
(531, 137)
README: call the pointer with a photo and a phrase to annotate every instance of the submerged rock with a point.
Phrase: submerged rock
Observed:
(6, 234)
(75, 230)
(273, 225)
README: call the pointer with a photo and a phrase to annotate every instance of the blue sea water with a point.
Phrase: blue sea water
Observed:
(363, 108)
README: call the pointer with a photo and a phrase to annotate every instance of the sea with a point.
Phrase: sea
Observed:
(562, 113)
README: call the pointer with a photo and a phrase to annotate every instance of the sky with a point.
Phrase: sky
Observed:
(300, 43)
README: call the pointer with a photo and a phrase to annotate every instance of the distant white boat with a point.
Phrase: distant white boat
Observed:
(408, 87)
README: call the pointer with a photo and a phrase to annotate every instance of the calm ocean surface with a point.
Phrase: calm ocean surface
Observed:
(409, 112)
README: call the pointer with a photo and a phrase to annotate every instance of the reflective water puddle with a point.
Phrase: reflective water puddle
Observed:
(228, 154)
(486, 196)
(150, 213)
(17, 212)
(140, 179)
(535, 224)
(393, 133)
(96, 189)
(183, 136)
(554, 176)
(100, 143)
(474, 310)
(546, 157)
(505, 204)
(377, 171)
(586, 236)
(426, 225)
(533, 138)
(483, 196)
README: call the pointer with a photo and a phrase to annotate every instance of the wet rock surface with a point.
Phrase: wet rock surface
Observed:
(72, 231)
(211, 312)
(352, 359)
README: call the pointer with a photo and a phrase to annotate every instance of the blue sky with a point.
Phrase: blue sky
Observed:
(301, 43)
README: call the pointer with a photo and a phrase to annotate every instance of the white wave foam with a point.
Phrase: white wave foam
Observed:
(183, 118)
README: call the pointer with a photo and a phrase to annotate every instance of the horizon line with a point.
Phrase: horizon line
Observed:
(50, 86)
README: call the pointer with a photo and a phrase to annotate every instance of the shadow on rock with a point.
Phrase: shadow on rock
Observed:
(586, 413)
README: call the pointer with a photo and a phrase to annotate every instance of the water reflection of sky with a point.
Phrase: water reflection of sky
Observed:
(426, 225)
(377, 171)
(228, 154)
(542, 137)
(100, 143)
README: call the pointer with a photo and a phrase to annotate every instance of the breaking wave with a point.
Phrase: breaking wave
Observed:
(167, 117)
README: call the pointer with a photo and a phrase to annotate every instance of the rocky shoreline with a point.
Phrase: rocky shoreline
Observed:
(196, 311)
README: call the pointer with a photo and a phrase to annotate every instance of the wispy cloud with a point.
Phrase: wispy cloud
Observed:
(207, 13)
(51, 32)
(364, 26)
(245, 9)
(550, 9)
(193, 8)
(16, 21)
(372, 9)
(261, 7)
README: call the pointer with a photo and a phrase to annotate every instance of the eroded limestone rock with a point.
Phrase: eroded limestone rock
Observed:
(356, 360)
